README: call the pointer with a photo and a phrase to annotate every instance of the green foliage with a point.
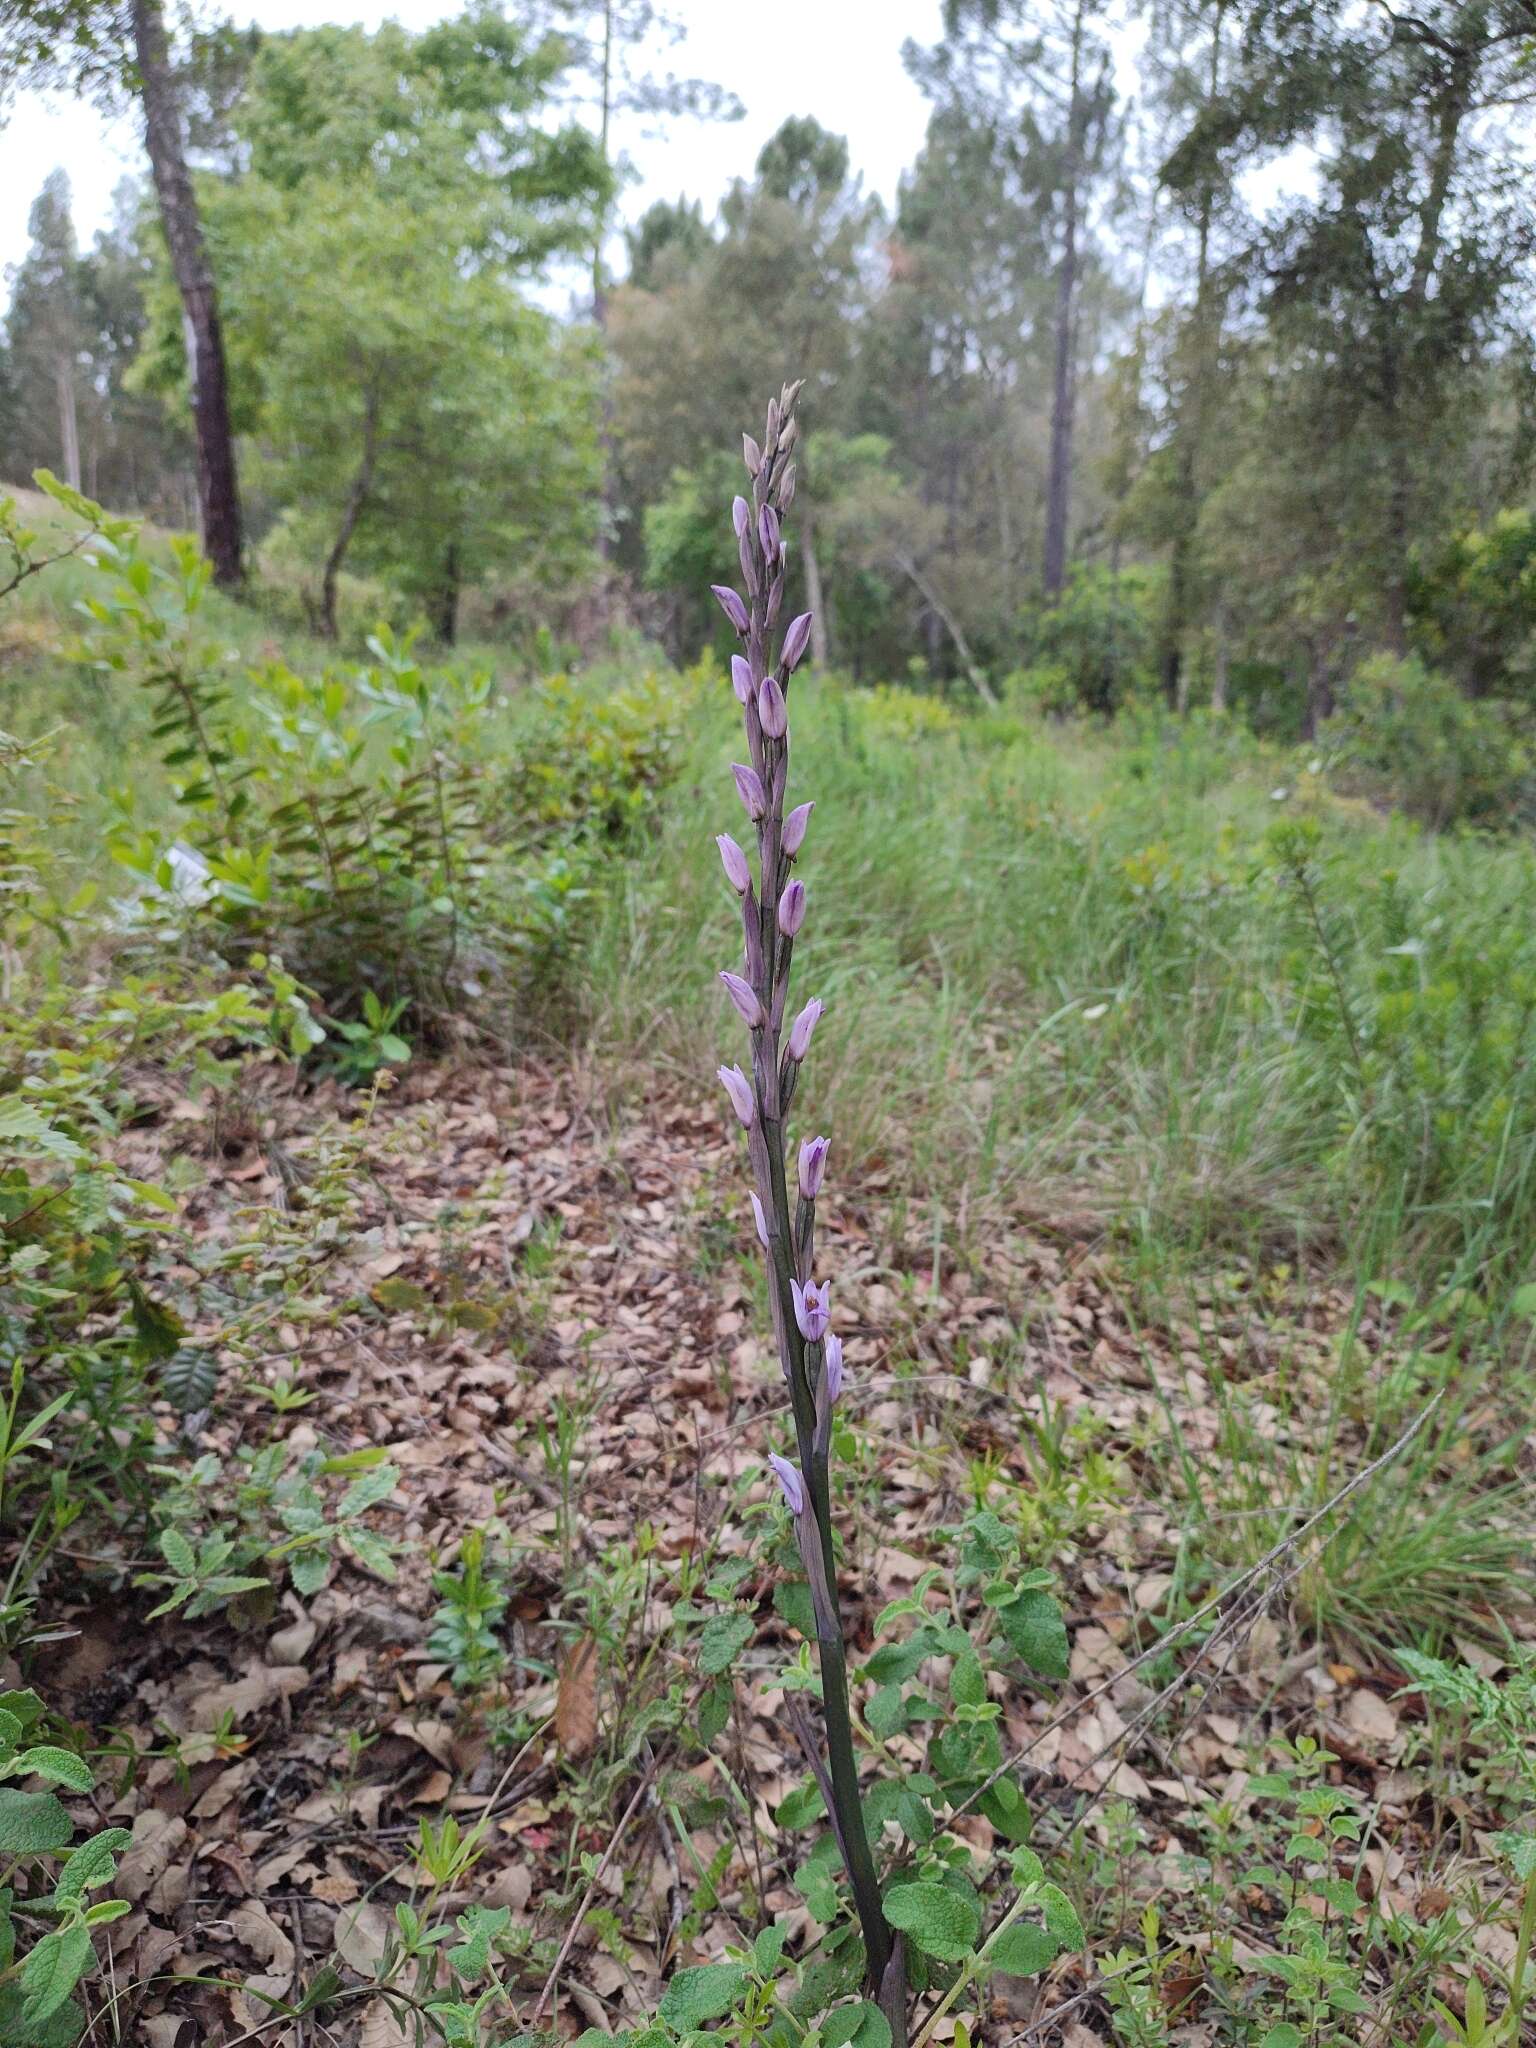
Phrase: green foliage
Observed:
(37, 1983)
(465, 1627)
(1091, 651)
(1409, 735)
(292, 1514)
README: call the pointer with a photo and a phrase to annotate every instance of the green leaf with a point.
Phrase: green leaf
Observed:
(800, 1807)
(1283, 2036)
(886, 1712)
(61, 1765)
(307, 1569)
(941, 1923)
(53, 1969)
(1061, 1917)
(371, 1552)
(1033, 1624)
(856, 2026)
(705, 1993)
(1022, 1951)
(178, 1553)
(368, 1490)
(157, 1330)
(189, 1379)
(92, 1863)
(32, 1823)
(724, 1638)
(967, 1681)
(768, 1948)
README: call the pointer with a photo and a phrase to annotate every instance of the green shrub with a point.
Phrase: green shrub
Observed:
(1407, 736)
(1092, 650)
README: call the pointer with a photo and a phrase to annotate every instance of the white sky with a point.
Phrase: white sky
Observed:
(837, 59)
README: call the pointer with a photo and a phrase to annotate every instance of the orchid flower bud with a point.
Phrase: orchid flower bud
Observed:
(832, 1364)
(772, 711)
(775, 597)
(811, 1314)
(744, 996)
(813, 1165)
(739, 1089)
(741, 678)
(732, 606)
(797, 637)
(792, 908)
(741, 516)
(751, 454)
(800, 1031)
(771, 430)
(794, 829)
(748, 565)
(785, 492)
(734, 861)
(791, 1482)
(761, 1223)
(768, 533)
(749, 787)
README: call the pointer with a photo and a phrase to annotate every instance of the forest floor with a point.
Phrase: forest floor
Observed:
(545, 1308)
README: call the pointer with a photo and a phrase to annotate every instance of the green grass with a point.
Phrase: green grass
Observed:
(1069, 969)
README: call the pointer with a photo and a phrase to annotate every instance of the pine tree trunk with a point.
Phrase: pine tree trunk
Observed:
(821, 636)
(351, 512)
(1058, 489)
(69, 423)
(218, 494)
(445, 612)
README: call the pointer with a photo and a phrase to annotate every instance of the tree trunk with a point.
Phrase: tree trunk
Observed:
(821, 635)
(351, 512)
(1319, 687)
(609, 502)
(937, 609)
(1221, 670)
(445, 611)
(218, 494)
(69, 423)
(1058, 488)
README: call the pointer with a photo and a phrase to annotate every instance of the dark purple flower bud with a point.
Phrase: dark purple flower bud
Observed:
(792, 908)
(749, 787)
(768, 533)
(813, 1165)
(734, 861)
(744, 996)
(772, 711)
(785, 492)
(810, 1310)
(790, 1480)
(752, 455)
(741, 678)
(832, 1364)
(739, 1089)
(761, 1223)
(748, 566)
(800, 1031)
(794, 828)
(741, 516)
(732, 606)
(797, 637)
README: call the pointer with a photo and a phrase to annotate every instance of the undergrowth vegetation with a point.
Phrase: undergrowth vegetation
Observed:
(1152, 1004)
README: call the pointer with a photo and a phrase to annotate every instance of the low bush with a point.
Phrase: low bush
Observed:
(1407, 736)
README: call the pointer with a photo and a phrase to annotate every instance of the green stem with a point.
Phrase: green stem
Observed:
(1527, 1931)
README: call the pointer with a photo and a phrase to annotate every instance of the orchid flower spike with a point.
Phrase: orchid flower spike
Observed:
(813, 1165)
(732, 606)
(832, 1364)
(794, 829)
(792, 908)
(761, 1222)
(772, 711)
(768, 533)
(734, 861)
(749, 787)
(790, 1480)
(811, 1312)
(741, 516)
(739, 1089)
(800, 1031)
(741, 678)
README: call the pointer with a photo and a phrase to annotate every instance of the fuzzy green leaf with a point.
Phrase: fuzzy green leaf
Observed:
(722, 1641)
(32, 1823)
(705, 1993)
(940, 1922)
